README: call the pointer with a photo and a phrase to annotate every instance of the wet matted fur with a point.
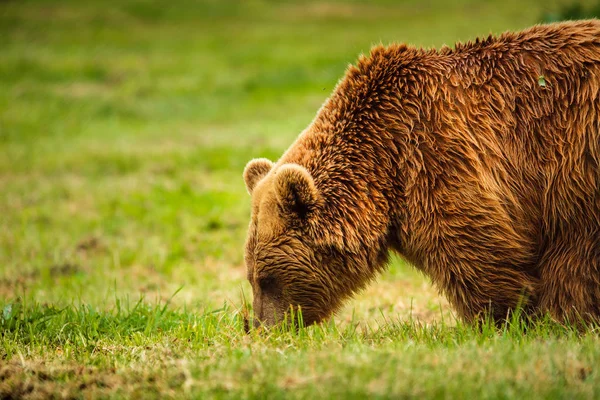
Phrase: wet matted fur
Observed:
(479, 165)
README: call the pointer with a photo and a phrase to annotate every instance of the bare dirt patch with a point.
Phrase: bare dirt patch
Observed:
(64, 269)
(12, 286)
(40, 380)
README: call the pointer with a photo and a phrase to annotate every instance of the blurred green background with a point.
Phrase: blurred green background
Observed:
(125, 126)
(124, 129)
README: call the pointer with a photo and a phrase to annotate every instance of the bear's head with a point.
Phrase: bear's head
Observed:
(288, 266)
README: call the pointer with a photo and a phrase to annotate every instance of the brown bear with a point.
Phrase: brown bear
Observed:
(480, 165)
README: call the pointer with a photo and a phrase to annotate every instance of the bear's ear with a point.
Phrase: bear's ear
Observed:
(256, 170)
(295, 190)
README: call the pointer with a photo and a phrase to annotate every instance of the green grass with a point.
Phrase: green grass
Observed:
(124, 129)
(153, 350)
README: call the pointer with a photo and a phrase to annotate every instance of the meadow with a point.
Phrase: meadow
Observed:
(124, 130)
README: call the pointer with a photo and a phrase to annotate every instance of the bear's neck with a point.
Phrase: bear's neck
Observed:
(356, 150)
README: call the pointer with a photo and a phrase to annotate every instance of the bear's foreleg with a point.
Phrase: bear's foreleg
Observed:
(570, 276)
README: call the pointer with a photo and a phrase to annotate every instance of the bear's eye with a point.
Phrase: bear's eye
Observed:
(267, 284)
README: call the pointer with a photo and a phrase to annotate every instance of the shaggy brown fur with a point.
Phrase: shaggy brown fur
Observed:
(479, 165)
